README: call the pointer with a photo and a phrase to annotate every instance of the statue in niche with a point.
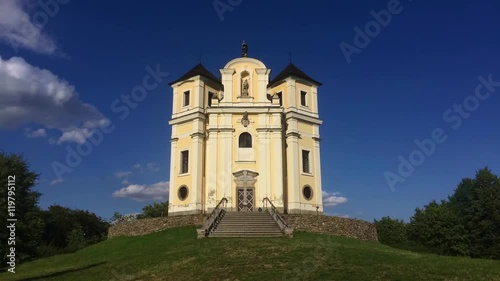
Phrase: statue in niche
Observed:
(244, 92)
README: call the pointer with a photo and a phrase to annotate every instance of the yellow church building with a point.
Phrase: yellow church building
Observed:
(245, 137)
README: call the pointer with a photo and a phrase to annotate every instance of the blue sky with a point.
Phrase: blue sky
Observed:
(62, 67)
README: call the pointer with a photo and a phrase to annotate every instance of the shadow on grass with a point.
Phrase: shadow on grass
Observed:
(61, 273)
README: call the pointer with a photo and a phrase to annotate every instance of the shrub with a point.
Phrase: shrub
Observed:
(47, 250)
(391, 231)
(439, 227)
(75, 240)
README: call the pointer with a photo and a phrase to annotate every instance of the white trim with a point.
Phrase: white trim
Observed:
(309, 155)
(245, 59)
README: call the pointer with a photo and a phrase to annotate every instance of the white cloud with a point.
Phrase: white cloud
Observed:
(158, 191)
(40, 133)
(125, 182)
(153, 167)
(332, 199)
(56, 181)
(122, 174)
(138, 167)
(33, 95)
(18, 29)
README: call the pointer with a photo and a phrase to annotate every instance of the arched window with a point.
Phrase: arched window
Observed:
(245, 140)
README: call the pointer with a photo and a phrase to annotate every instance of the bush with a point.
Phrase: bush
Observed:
(75, 240)
(47, 250)
(439, 227)
(392, 232)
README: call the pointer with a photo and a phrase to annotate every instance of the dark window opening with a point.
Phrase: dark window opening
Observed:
(303, 98)
(210, 96)
(280, 97)
(183, 192)
(186, 98)
(184, 161)
(245, 140)
(305, 162)
(307, 192)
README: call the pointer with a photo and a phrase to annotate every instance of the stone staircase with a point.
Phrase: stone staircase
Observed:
(247, 224)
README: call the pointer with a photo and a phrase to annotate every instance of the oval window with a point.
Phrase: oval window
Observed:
(182, 192)
(307, 192)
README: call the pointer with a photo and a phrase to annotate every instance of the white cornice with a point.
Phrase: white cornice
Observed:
(247, 60)
(186, 118)
(242, 109)
(303, 117)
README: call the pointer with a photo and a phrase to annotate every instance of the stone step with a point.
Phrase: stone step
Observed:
(245, 228)
(248, 224)
(248, 232)
(243, 220)
(215, 235)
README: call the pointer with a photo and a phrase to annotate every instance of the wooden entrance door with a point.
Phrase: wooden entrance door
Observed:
(250, 200)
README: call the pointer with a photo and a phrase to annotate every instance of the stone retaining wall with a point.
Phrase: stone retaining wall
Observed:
(146, 226)
(299, 222)
(333, 225)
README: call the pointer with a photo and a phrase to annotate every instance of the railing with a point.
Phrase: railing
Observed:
(275, 214)
(215, 217)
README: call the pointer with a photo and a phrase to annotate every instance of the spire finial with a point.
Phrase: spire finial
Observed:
(290, 56)
(244, 49)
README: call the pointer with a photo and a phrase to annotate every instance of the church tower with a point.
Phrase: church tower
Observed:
(245, 137)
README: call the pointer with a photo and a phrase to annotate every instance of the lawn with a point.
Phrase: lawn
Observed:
(176, 254)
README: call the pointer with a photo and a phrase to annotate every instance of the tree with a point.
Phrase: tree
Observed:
(75, 239)
(116, 217)
(477, 202)
(29, 224)
(439, 227)
(155, 210)
(391, 231)
(62, 222)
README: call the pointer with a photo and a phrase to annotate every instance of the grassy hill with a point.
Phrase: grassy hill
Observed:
(176, 254)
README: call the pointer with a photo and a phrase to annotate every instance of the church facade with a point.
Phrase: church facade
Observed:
(245, 137)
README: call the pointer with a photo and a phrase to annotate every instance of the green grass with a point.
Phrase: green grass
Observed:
(176, 254)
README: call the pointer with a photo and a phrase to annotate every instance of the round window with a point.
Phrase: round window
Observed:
(183, 192)
(307, 192)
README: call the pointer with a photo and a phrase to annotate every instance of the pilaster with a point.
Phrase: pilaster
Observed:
(172, 190)
(317, 174)
(227, 81)
(263, 80)
(291, 94)
(196, 163)
(211, 171)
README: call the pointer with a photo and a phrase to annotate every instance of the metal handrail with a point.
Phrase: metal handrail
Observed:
(215, 217)
(275, 214)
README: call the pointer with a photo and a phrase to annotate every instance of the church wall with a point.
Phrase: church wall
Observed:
(302, 87)
(214, 146)
(305, 129)
(209, 87)
(188, 86)
(184, 129)
(308, 143)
